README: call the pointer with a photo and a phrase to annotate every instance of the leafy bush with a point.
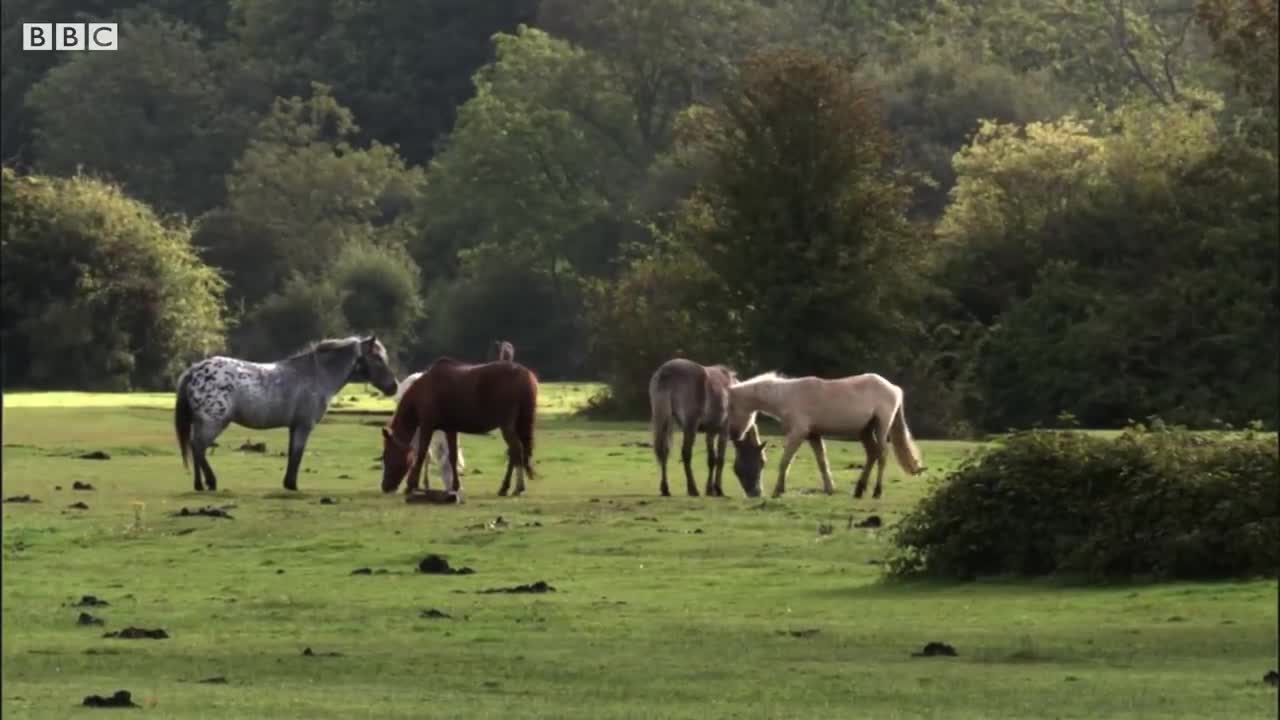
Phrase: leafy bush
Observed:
(656, 311)
(100, 293)
(379, 287)
(303, 311)
(1163, 504)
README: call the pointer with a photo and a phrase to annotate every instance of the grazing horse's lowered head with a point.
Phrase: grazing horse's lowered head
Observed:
(749, 458)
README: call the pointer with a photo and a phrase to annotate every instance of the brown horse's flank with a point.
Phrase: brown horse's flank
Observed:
(456, 397)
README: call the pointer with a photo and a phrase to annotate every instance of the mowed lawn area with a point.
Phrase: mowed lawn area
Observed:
(663, 607)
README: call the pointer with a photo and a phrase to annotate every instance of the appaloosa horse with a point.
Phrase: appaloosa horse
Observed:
(864, 406)
(696, 399)
(457, 397)
(293, 393)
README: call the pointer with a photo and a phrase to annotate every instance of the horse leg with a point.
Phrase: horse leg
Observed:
(453, 452)
(661, 450)
(711, 465)
(882, 447)
(722, 441)
(794, 440)
(820, 453)
(686, 458)
(298, 435)
(514, 455)
(873, 454)
(421, 457)
(203, 433)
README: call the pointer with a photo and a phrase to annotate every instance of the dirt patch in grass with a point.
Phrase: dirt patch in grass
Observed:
(87, 619)
(540, 586)
(90, 601)
(84, 486)
(936, 649)
(805, 633)
(872, 521)
(207, 511)
(95, 455)
(434, 614)
(437, 565)
(308, 652)
(137, 633)
(21, 499)
(121, 698)
(77, 506)
(252, 447)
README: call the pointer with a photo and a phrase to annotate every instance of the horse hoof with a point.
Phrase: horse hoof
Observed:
(502, 492)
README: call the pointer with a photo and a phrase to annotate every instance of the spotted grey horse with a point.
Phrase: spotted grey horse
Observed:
(294, 393)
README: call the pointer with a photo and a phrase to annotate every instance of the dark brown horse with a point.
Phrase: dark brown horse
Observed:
(456, 397)
(502, 351)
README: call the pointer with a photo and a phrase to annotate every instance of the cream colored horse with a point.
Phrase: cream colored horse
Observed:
(438, 450)
(864, 406)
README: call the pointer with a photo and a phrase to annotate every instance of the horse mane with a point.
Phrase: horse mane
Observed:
(728, 371)
(764, 377)
(326, 345)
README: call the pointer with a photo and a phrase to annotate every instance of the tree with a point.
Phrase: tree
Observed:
(935, 100)
(662, 306)
(379, 290)
(1139, 278)
(402, 67)
(801, 218)
(156, 115)
(98, 292)
(308, 193)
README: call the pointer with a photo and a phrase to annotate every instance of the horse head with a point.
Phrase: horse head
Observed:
(397, 458)
(748, 458)
(373, 366)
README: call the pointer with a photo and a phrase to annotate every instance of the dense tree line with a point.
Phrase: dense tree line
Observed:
(1024, 211)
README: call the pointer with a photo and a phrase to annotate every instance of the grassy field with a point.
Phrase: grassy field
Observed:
(663, 608)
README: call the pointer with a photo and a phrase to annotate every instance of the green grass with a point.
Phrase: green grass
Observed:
(651, 619)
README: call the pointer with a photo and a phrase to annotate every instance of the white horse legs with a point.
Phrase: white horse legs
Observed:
(794, 441)
(820, 453)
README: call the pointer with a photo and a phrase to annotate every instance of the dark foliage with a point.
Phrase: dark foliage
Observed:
(1149, 504)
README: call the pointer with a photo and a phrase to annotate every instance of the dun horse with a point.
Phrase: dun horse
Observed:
(865, 406)
(695, 398)
(502, 351)
(456, 397)
(438, 450)
(293, 393)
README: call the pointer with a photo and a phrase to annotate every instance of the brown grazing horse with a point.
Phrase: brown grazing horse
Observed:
(457, 397)
(502, 351)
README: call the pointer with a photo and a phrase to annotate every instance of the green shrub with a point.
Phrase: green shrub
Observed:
(98, 292)
(1162, 504)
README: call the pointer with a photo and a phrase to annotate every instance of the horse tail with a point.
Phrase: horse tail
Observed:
(904, 447)
(660, 420)
(524, 424)
(182, 417)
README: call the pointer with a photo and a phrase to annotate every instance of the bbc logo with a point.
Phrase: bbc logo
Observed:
(70, 36)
